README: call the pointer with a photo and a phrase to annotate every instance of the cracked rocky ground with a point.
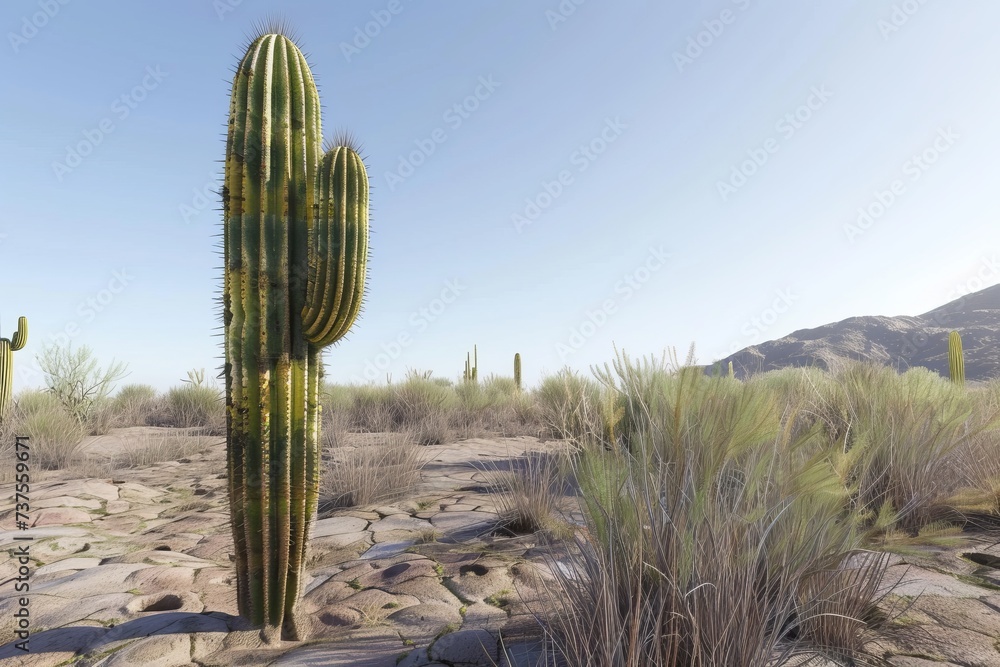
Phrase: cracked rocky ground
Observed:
(136, 570)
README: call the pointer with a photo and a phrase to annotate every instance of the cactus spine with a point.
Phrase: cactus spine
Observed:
(956, 360)
(295, 246)
(517, 370)
(7, 349)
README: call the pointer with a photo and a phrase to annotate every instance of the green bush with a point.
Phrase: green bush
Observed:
(194, 405)
(76, 379)
(134, 404)
(55, 435)
(716, 508)
(570, 405)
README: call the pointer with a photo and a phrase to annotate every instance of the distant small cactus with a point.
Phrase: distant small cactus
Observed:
(956, 360)
(517, 370)
(471, 373)
(196, 376)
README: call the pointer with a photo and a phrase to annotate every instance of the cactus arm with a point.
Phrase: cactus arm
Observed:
(20, 337)
(7, 349)
(339, 247)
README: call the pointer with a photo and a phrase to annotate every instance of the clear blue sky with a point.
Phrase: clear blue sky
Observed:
(737, 139)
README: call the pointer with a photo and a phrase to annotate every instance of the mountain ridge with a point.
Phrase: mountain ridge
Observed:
(900, 341)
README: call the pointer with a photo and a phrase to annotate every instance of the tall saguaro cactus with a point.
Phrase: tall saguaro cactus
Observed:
(7, 349)
(295, 251)
(956, 360)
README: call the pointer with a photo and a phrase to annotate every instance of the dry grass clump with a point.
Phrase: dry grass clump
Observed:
(706, 532)
(197, 406)
(897, 441)
(54, 434)
(528, 495)
(369, 474)
(570, 406)
(134, 405)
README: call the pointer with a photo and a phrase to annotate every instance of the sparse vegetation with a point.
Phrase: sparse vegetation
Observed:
(358, 476)
(197, 405)
(826, 471)
(76, 379)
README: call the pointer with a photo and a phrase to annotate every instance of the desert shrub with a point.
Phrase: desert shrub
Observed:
(715, 508)
(101, 418)
(469, 419)
(55, 435)
(76, 379)
(433, 429)
(10, 428)
(906, 432)
(528, 496)
(569, 405)
(978, 461)
(197, 405)
(134, 404)
(372, 409)
(381, 472)
(416, 397)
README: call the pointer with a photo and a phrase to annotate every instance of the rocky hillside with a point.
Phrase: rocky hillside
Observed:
(901, 341)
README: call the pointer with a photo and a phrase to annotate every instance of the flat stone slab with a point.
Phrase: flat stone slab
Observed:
(68, 564)
(458, 524)
(60, 516)
(93, 581)
(388, 549)
(918, 581)
(338, 525)
(341, 540)
(117, 506)
(76, 488)
(399, 522)
(67, 501)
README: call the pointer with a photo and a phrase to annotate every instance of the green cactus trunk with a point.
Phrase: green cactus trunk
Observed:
(7, 349)
(732, 373)
(295, 250)
(956, 360)
(517, 370)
